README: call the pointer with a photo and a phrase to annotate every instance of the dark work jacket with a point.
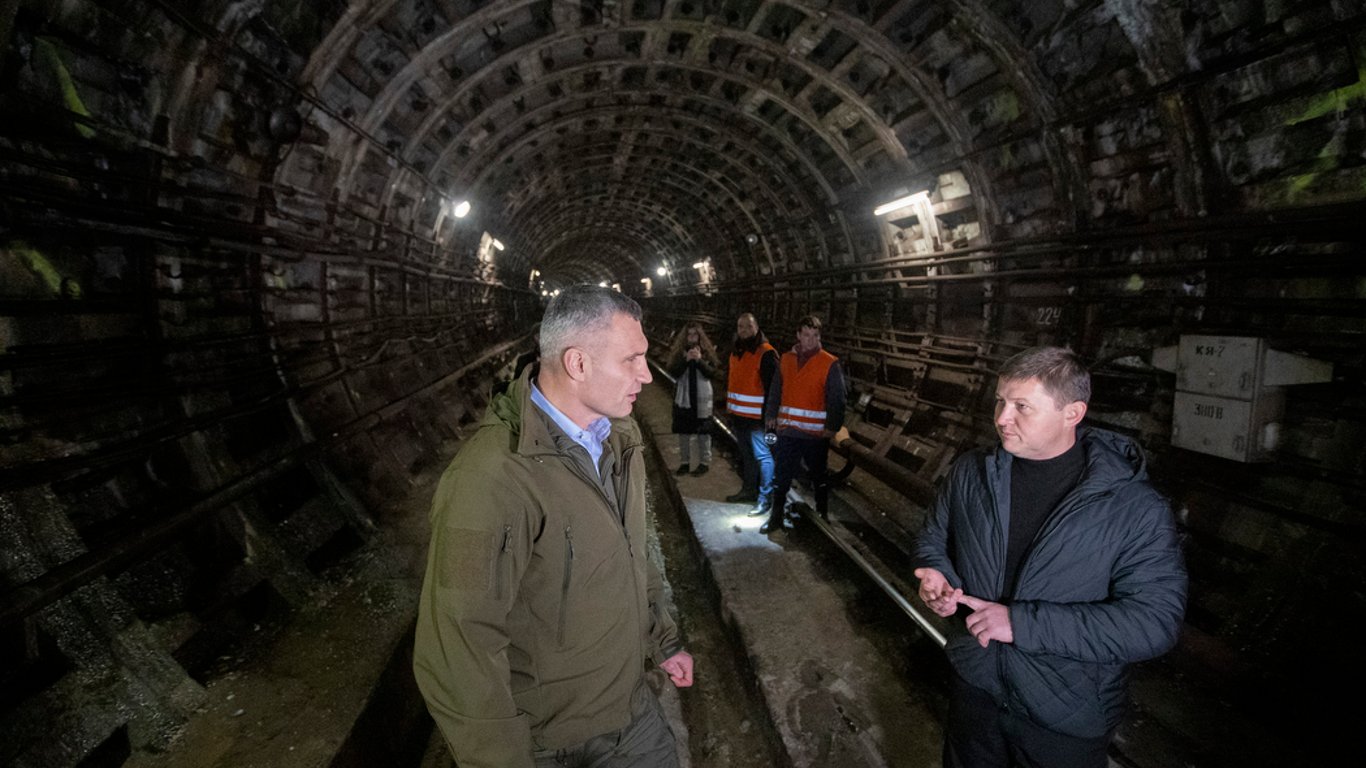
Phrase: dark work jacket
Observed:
(1102, 586)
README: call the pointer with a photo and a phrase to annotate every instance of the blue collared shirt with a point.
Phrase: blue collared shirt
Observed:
(591, 439)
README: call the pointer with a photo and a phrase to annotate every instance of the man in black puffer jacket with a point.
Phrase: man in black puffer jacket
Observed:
(1067, 566)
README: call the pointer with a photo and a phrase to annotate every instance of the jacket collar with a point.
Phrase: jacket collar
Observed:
(1111, 459)
(534, 429)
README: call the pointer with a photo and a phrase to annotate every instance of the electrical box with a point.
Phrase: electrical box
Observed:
(1242, 430)
(1231, 393)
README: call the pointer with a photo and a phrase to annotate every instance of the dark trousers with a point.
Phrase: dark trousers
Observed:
(646, 742)
(982, 735)
(788, 457)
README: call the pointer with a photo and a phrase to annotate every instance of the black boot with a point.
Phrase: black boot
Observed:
(774, 522)
(742, 496)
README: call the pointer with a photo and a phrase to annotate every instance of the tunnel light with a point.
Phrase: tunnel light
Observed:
(498, 244)
(461, 209)
(602, 283)
(662, 271)
(705, 272)
(899, 203)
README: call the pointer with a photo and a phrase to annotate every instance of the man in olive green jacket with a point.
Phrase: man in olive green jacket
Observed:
(540, 610)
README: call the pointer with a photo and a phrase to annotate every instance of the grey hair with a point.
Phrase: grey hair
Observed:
(577, 313)
(1063, 375)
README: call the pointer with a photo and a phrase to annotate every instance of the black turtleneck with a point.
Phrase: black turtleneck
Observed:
(1036, 487)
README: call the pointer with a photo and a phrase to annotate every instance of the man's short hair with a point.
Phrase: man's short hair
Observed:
(577, 313)
(810, 321)
(1060, 371)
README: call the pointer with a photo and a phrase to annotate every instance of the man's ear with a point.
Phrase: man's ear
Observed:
(576, 363)
(1074, 412)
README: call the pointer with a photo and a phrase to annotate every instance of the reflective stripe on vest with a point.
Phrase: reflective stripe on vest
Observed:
(748, 406)
(745, 385)
(803, 405)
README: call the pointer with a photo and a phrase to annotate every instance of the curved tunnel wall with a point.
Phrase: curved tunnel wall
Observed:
(240, 314)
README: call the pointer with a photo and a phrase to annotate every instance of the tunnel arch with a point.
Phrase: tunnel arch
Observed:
(225, 345)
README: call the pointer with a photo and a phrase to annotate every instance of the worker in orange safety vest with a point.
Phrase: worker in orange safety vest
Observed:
(805, 406)
(752, 365)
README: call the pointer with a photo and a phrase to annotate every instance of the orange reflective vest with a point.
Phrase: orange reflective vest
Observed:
(744, 385)
(803, 405)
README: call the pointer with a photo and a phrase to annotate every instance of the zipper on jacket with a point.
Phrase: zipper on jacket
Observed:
(500, 567)
(622, 486)
(1007, 687)
(1066, 508)
(578, 470)
(564, 587)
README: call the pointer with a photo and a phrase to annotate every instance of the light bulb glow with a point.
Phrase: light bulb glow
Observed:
(899, 203)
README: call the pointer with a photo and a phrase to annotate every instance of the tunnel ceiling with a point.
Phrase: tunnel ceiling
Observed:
(600, 141)
(604, 140)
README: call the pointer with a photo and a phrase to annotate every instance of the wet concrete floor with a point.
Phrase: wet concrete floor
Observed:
(827, 653)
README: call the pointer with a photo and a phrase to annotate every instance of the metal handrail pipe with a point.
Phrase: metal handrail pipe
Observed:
(886, 470)
(904, 604)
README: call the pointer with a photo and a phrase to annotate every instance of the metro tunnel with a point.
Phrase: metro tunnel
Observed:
(264, 260)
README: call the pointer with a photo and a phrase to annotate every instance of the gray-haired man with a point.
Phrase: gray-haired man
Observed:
(540, 610)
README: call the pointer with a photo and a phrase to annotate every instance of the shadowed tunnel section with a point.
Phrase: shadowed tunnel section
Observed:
(239, 312)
